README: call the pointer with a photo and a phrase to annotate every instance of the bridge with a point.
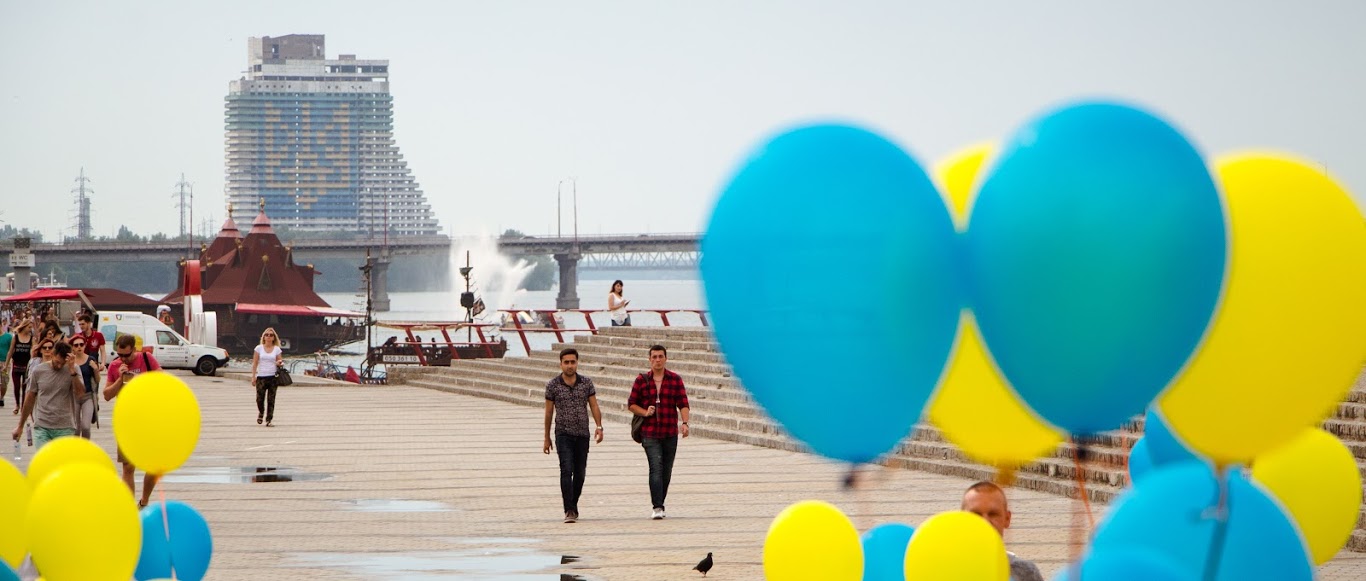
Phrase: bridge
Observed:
(625, 251)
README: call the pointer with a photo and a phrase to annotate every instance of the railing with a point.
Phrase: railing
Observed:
(548, 322)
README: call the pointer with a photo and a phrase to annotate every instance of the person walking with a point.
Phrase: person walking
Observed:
(54, 385)
(20, 351)
(617, 306)
(568, 399)
(86, 405)
(265, 360)
(660, 397)
(94, 340)
(127, 364)
(6, 339)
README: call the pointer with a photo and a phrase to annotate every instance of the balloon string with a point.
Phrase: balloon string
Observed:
(166, 526)
(1219, 512)
(1077, 538)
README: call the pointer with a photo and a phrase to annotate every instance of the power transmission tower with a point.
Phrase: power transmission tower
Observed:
(185, 193)
(82, 206)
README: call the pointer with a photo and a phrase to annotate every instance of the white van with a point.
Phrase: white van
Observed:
(171, 349)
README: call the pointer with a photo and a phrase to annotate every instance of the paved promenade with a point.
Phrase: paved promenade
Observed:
(418, 484)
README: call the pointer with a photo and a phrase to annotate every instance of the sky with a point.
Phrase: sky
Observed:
(648, 106)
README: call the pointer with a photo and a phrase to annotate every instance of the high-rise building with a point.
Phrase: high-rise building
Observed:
(314, 138)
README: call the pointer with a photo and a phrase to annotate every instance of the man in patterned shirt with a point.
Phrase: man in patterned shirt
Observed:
(571, 395)
(659, 395)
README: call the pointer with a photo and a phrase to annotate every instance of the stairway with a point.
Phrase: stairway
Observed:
(722, 409)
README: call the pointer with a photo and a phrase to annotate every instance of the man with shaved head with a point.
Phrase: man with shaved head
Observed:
(988, 501)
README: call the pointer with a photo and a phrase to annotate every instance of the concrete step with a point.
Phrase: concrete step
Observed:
(541, 370)
(596, 355)
(1349, 410)
(677, 333)
(643, 344)
(635, 354)
(692, 373)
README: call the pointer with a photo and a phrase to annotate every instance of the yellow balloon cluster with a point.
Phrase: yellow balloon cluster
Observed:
(157, 421)
(1316, 479)
(93, 500)
(957, 546)
(14, 501)
(975, 406)
(1286, 344)
(812, 540)
(73, 485)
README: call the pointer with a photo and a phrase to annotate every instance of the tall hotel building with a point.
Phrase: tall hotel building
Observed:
(314, 138)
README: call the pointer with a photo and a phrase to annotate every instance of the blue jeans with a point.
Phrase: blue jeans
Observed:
(660, 452)
(573, 452)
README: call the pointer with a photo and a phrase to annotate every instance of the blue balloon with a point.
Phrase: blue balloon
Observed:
(1116, 565)
(1140, 461)
(189, 549)
(884, 552)
(1096, 254)
(1171, 514)
(834, 224)
(1163, 445)
(7, 573)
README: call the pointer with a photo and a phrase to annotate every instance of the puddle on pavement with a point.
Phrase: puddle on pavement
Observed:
(494, 564)
(392, 505)
(241, 474)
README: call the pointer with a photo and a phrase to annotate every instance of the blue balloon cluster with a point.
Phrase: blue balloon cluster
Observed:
(1093, 262)
(188, 550)
(1184, 515)
(1158, 447)
(834, 230)
(884, 552)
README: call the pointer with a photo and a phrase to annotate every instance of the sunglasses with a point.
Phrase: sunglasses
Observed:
(78, 344)
(45, 348)
(124, 355)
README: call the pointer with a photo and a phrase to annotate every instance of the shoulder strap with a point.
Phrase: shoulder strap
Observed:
(146, 363)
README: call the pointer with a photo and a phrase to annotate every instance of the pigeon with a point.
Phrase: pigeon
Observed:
(704, 565)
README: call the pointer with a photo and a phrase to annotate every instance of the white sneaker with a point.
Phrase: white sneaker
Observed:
(657, 514)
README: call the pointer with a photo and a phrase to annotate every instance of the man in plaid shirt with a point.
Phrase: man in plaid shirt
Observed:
(660, 397)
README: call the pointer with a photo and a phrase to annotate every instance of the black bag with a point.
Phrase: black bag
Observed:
(638, 422)
(282, 377)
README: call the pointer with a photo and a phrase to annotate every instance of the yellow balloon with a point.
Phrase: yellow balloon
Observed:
(812, 540)
(1286, 342)
(14, 499)
(975, 406)
(957, 176)
(957, 546)
(156, 422)
(1315, 477)
(63, 451)
(978, 412)
(70, 511)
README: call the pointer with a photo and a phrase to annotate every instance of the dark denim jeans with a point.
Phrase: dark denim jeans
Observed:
(660, 453)
(573, 451)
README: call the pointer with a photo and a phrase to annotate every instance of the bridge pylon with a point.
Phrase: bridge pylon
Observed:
(568, 297)
(379, 282)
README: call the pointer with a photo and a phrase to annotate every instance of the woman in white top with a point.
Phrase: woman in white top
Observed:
(265, 359)
(617, 305)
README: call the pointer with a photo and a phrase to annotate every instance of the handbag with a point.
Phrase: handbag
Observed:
(282, 377)
(638, 422)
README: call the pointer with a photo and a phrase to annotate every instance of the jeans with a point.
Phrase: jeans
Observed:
(85, 416)
(266, 386)
(573, 451)
(660, 452)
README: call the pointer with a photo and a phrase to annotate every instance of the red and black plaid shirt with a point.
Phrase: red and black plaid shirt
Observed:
(672, 397)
